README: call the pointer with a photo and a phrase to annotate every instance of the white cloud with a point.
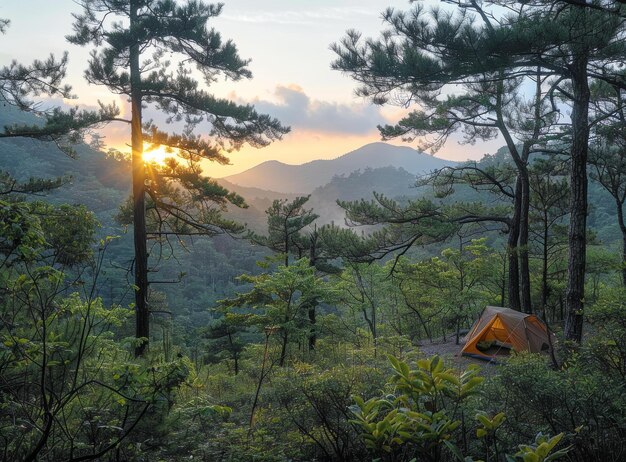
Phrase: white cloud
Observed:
(295, 108)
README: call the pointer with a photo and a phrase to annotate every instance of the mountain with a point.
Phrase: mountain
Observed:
(303, 179)
(255, 194)
(391, 181)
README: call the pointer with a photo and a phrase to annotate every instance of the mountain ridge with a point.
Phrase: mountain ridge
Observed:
(277, 176)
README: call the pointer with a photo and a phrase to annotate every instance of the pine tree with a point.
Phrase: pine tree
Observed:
(131, 58)
(435, 53)
(607, 154)
(19, 83)
(549, 192)
(285, 222)
(571, 45)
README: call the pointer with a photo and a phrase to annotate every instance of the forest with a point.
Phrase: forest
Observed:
(149, 312)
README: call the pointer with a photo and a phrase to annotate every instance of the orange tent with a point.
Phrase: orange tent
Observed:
(500, 329)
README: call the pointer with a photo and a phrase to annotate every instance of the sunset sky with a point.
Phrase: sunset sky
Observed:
(288, 42)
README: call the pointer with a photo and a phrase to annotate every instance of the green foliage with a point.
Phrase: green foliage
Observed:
(415, 419)
(448, 291)
(316, 400)
(188, 425)
(583, 400)
(278, 302)
(226, 340)
(540, 451)
(606, 348)
(285, 223)
(69, 231)
(29, 228)
(19, 82)
(12, 186)
(418, 419)
(489, 425)
(21, 236)
(363, 289)
(68, 379)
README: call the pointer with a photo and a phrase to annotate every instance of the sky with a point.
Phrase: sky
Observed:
(288, 42)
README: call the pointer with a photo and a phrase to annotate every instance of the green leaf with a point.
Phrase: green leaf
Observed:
(454, 450)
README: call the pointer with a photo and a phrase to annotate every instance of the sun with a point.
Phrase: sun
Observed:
(157, 154)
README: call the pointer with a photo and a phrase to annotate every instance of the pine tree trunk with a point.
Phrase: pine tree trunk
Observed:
(622, 227)
(520, 208)
(313, 305)
(312, 321)
(575, 291)
(374, 330)
(142, 326)
(624, 257)
(283, 350)
(231, 344)
(503, 289)
(514, 293)
(286, 231)
(523, 242)
(544, 266)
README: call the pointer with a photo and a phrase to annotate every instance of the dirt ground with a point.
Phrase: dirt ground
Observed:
(451, 353)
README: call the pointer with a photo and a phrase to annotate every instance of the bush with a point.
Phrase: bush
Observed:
(422, 417)
(580, 400)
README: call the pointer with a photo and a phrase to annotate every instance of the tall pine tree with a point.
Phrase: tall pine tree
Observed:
(570, 45)
(133, 41)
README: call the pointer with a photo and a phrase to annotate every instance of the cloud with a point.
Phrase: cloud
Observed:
(290, 104)
(296, 109)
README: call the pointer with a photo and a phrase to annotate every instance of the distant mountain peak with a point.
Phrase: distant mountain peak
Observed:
(278, 176)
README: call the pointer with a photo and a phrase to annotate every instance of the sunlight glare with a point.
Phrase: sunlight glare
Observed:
(157, 154)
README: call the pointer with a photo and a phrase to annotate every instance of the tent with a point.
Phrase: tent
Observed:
(499, 330)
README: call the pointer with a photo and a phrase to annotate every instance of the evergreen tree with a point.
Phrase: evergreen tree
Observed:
(500, 179)
(569, 44)
(445, 53)
(581, 46)
(285, 222)
(131, 58)
(608, 151)
(278, 301)
(549, 192)
(289, 231)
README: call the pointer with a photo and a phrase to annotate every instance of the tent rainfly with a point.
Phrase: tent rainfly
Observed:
(500, 329)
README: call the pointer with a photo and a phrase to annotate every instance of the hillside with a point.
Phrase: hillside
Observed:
(99, 182)
(390, 181)
(303, 179)
(102, 184)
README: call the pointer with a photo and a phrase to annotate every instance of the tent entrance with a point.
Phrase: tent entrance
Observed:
(494, 348)
(494, 340)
